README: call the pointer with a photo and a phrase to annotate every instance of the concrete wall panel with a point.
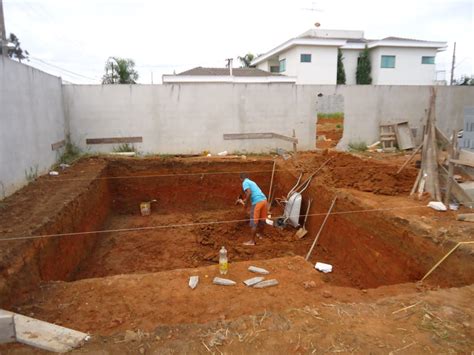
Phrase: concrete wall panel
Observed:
(31, 119)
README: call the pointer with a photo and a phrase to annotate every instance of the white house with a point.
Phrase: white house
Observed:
(226, 75)
(312, 58)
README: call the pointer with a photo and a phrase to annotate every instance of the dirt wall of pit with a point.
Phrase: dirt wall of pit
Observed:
(372, 249)
(182, 186)
(31, 261)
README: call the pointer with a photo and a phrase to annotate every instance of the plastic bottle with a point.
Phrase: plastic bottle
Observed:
(223, 264)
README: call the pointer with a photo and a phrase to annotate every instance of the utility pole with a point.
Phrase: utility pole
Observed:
(452, 64)
(3, 32)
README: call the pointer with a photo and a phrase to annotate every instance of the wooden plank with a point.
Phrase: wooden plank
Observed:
(410, 158)
(452, 150)
(114, 140)
(462, 162)
(404, 135)
(266, 135)
(442, 137)
(57, 145)
(456, 190)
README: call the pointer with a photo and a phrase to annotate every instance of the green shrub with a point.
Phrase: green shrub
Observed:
(331, 115)
(357, 146)
(125, 148)
(31, 174)
(71, 153)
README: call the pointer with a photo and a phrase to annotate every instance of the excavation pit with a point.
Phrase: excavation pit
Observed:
(194, 215)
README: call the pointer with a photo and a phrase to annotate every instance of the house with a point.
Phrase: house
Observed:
(227, 75)
(312, 58)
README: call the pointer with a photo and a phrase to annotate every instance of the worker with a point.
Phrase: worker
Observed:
(258, 209)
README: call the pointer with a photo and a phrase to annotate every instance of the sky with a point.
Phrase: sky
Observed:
(73, 38)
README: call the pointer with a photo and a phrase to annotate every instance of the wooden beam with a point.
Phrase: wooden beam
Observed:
(265, 135)
(452, 150)
(462, 162)
(114, 140)
(57, 145)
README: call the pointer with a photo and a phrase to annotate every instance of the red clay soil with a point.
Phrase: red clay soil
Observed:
(418, 322)
(367, 250)
(147, 300)
(47, 206)
(347, 171)
(331, 129)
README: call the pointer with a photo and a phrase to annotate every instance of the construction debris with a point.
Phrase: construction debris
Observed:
(267, 283)
(258, 270)
(223, 282)
(323, 267)
(193, 281)
(43, 335)
(253, 281)
(438, 206)
(428, 178)
(7, 328)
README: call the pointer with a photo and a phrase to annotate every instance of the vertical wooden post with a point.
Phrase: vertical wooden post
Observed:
(452, 149)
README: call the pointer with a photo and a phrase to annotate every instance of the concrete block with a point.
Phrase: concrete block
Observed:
(223, 282)
(258, 270)
(193, 281)
(266, 283)
(253, 281)
(7, 328)
(44, 335)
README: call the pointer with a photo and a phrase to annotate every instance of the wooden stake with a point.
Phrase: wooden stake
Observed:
(321, 229)
(410, 158)
(444, 258)
(271, 185)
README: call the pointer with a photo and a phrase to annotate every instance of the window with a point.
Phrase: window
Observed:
(388, 61)
(274, 69)
(305, 58)
(427, 60)
(282, 65)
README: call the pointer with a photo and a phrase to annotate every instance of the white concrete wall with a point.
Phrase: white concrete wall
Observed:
(190, 118)
(350, 64)
(408, 67)
(31, 119)
(368, 106)
(323, 67)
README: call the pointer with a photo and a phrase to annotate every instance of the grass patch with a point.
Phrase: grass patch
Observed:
(71, 153)
(125, 148)
(357, 146)
(31, 173)
(331, 115)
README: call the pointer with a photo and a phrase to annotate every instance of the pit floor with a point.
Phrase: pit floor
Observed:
(149, 292)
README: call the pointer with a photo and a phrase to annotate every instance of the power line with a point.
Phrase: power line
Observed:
(62, 69)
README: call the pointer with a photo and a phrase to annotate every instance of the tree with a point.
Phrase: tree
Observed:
(341, 74)
(364, 68)
(246, 60)
(120, 71)
(465, 81)
(16, 52)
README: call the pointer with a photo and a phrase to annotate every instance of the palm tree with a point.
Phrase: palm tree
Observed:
(120, 71)
(246, 60)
